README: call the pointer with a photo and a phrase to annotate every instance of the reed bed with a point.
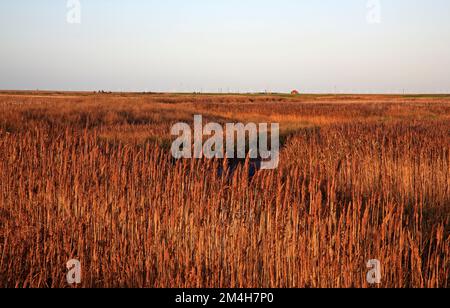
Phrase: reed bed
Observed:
(370, 181)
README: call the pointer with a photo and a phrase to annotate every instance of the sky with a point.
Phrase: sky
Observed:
(315, 46)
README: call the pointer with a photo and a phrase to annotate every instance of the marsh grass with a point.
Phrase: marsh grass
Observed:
(82, 178)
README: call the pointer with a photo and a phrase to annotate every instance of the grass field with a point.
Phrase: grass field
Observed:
(90, 177)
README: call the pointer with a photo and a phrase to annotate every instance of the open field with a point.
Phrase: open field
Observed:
(90, 177)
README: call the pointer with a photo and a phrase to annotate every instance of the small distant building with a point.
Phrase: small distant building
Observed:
(295, 92)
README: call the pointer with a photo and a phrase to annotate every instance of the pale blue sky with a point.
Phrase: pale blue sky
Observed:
(236, 45)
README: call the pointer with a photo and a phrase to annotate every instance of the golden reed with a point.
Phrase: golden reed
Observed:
(90, 177)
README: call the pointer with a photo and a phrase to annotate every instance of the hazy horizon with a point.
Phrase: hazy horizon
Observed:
(227, 46)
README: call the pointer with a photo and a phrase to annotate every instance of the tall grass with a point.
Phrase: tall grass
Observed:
(371, 180)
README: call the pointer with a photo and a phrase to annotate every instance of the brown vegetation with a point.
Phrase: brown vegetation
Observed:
(89, 177)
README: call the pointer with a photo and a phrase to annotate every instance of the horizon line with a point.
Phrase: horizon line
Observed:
(61, 91)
